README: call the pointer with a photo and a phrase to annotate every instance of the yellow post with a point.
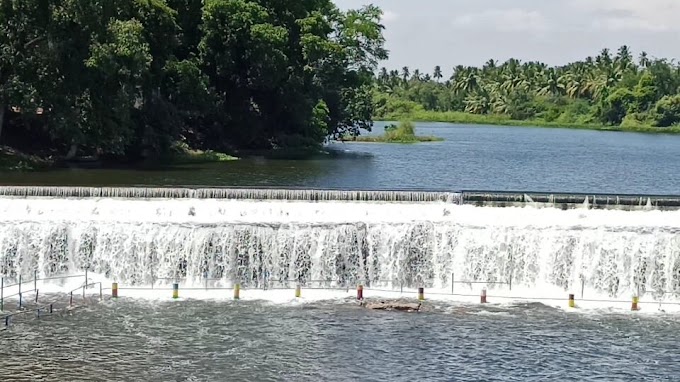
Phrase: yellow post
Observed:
(635, 306)
(298, 291)
(175, 290)
(421, 294)
(572, 303)
(114, 290)
(237, 291)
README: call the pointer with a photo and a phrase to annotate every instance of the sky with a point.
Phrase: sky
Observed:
(424, 33)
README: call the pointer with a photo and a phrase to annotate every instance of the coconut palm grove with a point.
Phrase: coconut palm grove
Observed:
(610, 90)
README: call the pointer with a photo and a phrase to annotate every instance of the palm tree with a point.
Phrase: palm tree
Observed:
(437, 74)
(644, 60)
(405, 73)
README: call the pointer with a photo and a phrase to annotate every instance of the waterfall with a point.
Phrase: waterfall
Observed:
(135, 241)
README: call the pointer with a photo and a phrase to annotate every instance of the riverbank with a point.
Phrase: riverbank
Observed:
(501, 120)
(12, 159)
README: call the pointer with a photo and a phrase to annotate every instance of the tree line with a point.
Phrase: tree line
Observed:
(610, 89)
(134, 77)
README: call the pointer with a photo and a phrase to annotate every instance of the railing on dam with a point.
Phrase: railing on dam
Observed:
(464, 197)
(501, 290)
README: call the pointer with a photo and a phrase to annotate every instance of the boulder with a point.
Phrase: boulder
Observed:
(392, 305)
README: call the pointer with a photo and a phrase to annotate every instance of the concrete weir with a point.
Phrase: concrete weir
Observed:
(477, 198)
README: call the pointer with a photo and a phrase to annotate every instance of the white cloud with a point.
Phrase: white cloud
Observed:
(504, 20)
(389, 16)
(650, 15)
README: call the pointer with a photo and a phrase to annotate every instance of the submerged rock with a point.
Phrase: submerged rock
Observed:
(392, 305)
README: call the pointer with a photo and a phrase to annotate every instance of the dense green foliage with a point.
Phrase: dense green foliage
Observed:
(136, 77)
(610, 90)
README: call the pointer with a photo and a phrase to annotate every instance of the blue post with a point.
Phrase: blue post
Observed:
(7, 321)
(50, 308)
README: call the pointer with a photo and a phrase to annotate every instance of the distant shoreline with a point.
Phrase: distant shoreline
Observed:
(497, 120)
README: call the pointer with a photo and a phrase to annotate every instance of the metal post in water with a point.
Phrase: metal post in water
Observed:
(70, 303)
(85, 286)
(101, 295)
(583, 287)
(51, 310)
(453, 282)
(237, 291)
(175, 290)
(2, 294)
(35, 279)
(36, 296)
(20, 302)
(7, 321)
(19, 284)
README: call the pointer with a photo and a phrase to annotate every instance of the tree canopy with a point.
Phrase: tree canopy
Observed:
(609, 89)
(133, 77)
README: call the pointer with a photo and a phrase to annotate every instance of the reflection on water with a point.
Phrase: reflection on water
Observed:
(337, 341)
(471, 157)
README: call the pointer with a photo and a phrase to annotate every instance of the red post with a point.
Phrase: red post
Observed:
(360, 292)
(483, 296)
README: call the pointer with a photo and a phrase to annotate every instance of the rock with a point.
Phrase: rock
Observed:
(393, 305)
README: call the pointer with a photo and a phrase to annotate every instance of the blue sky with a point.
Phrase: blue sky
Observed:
(425, 33)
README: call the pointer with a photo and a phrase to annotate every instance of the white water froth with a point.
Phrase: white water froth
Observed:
(542, 252)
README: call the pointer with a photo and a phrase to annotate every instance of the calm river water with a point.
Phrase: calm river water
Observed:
(471, 158)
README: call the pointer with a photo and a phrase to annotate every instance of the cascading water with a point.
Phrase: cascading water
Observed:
(135, 241)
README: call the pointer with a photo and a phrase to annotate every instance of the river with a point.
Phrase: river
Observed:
(131, 340)
(530, 259)
(470, 158)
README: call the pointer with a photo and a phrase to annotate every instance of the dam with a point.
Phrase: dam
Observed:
(612, 245)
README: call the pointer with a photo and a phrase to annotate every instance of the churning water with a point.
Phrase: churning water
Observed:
(135, 242)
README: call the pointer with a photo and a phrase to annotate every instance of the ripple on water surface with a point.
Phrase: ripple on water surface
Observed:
(136, 340)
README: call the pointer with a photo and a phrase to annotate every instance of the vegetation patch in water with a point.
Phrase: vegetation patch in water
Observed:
(405, 132)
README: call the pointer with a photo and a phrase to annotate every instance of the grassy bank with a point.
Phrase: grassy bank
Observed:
(501, 120)
(13, 160)
(404, 133)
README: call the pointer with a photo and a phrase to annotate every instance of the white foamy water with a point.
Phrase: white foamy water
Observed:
(546, 253)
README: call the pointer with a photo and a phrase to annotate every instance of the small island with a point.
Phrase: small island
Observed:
(405, 132)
